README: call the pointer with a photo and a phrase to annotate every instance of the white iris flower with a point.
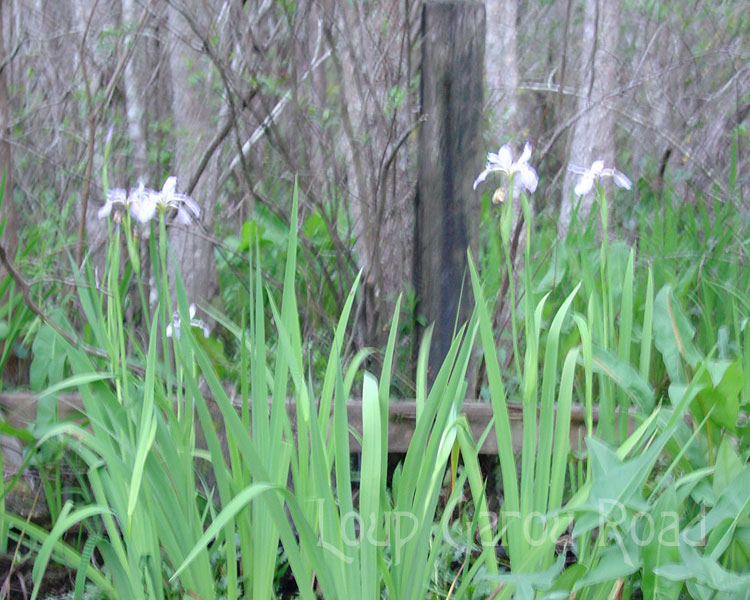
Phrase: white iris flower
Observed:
(173, 328)
(502, 161)
(187, 208)
(116, 197)
(142, 202)
(594, 173)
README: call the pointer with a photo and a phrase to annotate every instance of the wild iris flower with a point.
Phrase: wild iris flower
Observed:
(503, 161)
(143, 202)
(174, 327)
(592, 175)
(187, 208)
(116, 197)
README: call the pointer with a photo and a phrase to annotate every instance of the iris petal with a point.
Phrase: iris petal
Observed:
(482, 176)
(504, 158)
(597, 167)
(584, 185)
(622, 180)
(594, 173)
(105, 210)
(170, 186)
(528, 178)
(526, 155)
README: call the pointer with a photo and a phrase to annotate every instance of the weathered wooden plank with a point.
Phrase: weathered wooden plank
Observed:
(447, 210)
(20, 410)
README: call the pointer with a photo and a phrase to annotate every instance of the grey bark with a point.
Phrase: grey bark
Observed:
(8, 212)
(501, 68)
(502, 76)
(191, 112)
(375, 143)
(594, 132)
(135, 79)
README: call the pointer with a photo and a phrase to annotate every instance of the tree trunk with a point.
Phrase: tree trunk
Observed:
(447, 206)
(8, 212)
(379, 189)
(192, 109)
(594, 132)
(501, 73)
(135, 89)
(501, 68)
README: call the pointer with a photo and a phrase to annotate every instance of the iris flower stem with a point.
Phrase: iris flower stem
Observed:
(115, 319)
(505, 225)
(603, 262)
(166, 303)
(607, 332)
(135, 260)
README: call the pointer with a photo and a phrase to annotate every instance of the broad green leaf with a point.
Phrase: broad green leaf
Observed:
(622, 557)
(626, 377)
(48, 363)
(673, 335)
(616, 490)
(696, 568)
(723, 383)
(728, 466)
(526, 584)
(732, 505)
(567, 580)
(660, 536)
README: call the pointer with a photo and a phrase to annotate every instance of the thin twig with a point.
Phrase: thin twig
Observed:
(215, 143)
(266, 124)
(11, 55)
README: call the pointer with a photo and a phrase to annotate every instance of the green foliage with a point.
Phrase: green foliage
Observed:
(321, 282)
(655, 345)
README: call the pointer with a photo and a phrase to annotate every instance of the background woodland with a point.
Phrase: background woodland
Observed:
(239, 98)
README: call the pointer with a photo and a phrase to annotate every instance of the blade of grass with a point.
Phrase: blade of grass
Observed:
(62, 552)
(370, 487)
(623, 343)
(530, 406)
(547, 410)
(65, 521)
(147, 427)
(562, 431)
(647, 329)
(502, 419)
(421, 373)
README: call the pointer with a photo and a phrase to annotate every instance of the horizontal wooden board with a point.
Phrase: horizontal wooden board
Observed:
(19, 409)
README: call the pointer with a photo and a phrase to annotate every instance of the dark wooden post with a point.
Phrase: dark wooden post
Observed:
(447, 211)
